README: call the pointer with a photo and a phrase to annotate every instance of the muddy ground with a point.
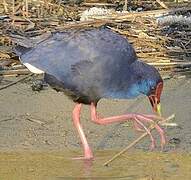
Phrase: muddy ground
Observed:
(33, 121)
(42, 120)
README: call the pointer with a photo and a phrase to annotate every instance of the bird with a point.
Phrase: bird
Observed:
(90, 64)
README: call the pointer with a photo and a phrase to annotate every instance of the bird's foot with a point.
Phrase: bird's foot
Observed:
(137, 127)
(139, 121)
(88, 155)
(83, 158)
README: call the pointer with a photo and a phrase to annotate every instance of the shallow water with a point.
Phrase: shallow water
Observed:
(59, 165)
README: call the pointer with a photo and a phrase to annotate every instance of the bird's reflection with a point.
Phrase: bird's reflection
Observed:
(87, 167)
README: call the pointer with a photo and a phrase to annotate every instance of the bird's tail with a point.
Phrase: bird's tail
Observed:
(24, 44)
(21, 44)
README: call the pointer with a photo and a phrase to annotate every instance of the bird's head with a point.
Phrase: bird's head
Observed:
(152, 88)
(154, 97)
(150, 84)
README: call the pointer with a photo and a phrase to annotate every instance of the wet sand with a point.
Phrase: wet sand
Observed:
(40, 122)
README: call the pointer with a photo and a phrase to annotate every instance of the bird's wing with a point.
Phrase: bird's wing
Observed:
(58, 54)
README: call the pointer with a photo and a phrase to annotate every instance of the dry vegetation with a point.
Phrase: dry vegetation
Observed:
(164, 42)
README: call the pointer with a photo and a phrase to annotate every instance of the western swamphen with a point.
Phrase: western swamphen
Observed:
(88, 65)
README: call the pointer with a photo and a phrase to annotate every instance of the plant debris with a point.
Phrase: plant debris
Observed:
(160, 31)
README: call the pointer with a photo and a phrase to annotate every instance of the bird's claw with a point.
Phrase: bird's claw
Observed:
(139, 125)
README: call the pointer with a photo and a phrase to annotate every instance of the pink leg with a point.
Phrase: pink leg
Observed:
(148, 132)
(135, 117)
(158, 128)
(76, 119)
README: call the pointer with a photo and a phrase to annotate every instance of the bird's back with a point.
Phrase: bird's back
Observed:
(84, 62)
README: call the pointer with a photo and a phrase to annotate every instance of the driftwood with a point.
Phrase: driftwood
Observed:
(162, 4)
(99, 4)
(17, 72)
(13, 83)
(119, 17)
(175, 19)
(146, 30)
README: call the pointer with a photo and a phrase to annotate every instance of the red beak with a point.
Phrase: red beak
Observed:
(154, 98)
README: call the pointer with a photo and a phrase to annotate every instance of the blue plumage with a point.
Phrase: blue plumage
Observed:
(91, 64)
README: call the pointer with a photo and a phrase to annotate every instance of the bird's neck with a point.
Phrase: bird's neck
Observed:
(141, 87)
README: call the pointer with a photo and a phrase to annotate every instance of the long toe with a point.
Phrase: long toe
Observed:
(153, 117)
(84, 158)
(159, 129)
(137, 127)
(150, 119)
(153, 142)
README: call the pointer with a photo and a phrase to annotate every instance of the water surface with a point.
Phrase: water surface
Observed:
(59, 165)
